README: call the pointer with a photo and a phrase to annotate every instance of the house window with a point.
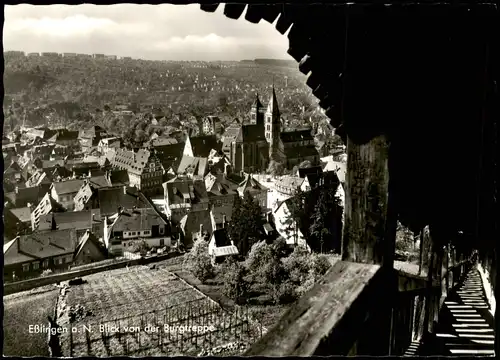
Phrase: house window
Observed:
(133, 232)
(162, 229)
(147, 232)
(26, 267)
(69, 259)
(36, 265)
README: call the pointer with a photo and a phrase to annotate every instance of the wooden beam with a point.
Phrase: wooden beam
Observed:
(370, 221)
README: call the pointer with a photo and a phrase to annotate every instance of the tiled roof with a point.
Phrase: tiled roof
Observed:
(190, 224)
(170, 154)
(202, 145)
(139, 219)
(301, 152)
(297, 135)
(23, 214)
(69, 219)
(162, 141)
(219, 185)
(68, 186)
(310, 170)
(50, 164)
(12, 167)
(326, 178)
(180, 187)
(339, 167)
(289, 181)
(218, 213)
(82, 165)
(193, 165)
(43, 244)
(64, 135)
(225, 251)
(38, 178)
(119, 177)
(253, 133)
(250, 184)
(24, 196)
(110, 199)
(232, 133)
(99, 181)
(87, 237)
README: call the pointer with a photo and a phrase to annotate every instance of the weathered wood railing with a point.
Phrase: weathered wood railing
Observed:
(339, 315)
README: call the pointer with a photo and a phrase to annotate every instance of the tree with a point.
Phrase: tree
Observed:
(275, 168)
(326, 220)
(234, 229)
(198, 261)
(245, 227)
(404, 238)
(141, 247)
(235, 286)
(305, 164)
(296, 215)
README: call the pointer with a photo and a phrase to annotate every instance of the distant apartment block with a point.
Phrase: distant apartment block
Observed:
(13, 53)
(51, 54)
(98, 56)
(33, 54)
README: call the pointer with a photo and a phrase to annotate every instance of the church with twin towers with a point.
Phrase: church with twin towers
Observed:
(250, 147)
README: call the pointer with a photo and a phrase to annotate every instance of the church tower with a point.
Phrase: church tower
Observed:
(272, 124)
(257, 112)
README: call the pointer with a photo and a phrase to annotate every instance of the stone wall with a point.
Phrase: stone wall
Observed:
(25, 285)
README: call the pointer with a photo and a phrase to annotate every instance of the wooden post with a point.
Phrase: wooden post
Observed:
(369, 234)
(425, 247)
(421, 315)
(370, 220)
(434, 277)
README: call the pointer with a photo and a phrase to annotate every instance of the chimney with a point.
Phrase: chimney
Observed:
(17, 189)
(201, 229)
(223, 221)
(124, 189)
(232, 242)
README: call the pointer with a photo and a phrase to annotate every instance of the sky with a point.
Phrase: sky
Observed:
(152, 32)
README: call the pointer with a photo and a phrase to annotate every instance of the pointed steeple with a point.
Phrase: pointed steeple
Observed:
(257, 104)
(272, 107)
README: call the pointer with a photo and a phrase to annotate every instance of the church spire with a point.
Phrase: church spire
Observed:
(272, 107)
(257, 104)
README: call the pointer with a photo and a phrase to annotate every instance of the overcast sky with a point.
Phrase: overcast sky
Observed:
(156, 32)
